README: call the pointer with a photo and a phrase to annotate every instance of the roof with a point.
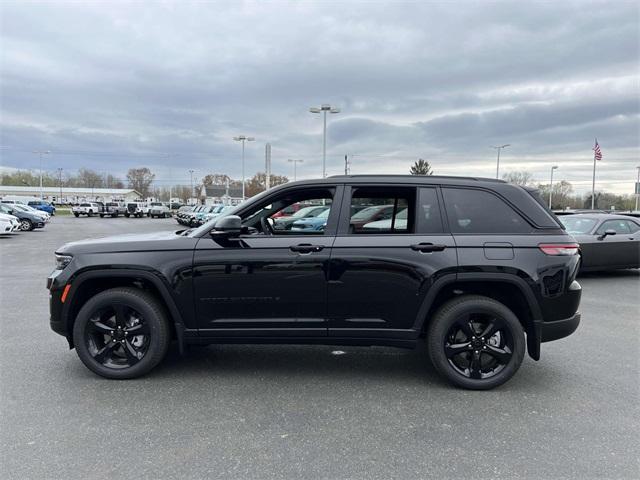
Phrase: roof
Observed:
(12, 189)
(221, 190)
(603, 216)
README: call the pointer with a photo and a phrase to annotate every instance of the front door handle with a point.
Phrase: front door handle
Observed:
(427, 247)
(306, 248)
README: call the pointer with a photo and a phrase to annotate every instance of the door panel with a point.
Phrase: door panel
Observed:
(377, 283)
(258, 286)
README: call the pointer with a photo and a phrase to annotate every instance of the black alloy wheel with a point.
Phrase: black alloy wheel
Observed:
(121, 333)
(476, 342)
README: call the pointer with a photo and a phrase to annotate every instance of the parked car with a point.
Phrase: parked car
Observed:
(285, 223)
(42, 205)
(483, 280)
(86, 208)
(607, 242)
(8, 223)
(288, 211)
(113, 209)
(221, 210)
(311, 224)
(186, 217)
(159, 210)
(29, 220)
(370, 214)
(135, 209)
(397, 223)
(205, 214)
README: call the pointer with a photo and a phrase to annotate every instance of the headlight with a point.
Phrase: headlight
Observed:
(62, 261)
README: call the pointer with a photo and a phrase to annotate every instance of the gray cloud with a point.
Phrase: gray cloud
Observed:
(111, 85)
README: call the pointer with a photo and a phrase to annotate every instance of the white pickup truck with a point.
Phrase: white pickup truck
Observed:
(88, 208)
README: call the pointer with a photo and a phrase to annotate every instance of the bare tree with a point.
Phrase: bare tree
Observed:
(519, 177)
(140, 179)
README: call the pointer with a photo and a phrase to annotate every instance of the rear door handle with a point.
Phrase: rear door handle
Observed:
(427, 247)
(306, 248)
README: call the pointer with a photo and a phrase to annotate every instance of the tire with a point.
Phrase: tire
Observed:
(76, 215)
(486, 361)
(114, 215)
(101, 215)
(126, 215)
(90, 213)
(134, 303)
(26, 225)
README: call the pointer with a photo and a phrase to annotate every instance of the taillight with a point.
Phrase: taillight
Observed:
(559, 248)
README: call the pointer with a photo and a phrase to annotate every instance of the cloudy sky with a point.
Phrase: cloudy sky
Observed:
(112, 85)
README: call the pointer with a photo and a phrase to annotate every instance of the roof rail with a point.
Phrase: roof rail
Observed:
(453, 177)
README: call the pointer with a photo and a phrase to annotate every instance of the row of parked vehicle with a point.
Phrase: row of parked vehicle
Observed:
(16, 216)
(194, 216)
(128, 209)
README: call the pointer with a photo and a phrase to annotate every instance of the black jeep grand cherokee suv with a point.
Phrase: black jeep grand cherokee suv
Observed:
(477, 266)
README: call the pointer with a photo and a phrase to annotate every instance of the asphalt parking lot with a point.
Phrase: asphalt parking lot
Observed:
(304, 411)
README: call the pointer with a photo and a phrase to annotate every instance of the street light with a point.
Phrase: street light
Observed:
(295, 163)
(324, 108)
(41, 152)
(499, 147)
(191, 173)
(243, 138)
(551, 185)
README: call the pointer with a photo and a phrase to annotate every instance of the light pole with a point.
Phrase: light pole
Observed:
(60, 183)
(499, 147)
(41, 152)
(551, 185)
(295, 163)
(324, 108)
(638, 187)
(243, 138)
(191, 173)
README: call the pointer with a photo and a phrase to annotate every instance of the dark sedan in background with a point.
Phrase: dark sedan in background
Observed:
(607, 242)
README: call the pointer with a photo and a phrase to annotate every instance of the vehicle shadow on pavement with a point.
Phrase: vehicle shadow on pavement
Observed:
(308, 361)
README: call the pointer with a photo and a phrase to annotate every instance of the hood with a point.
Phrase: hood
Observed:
(130, 243)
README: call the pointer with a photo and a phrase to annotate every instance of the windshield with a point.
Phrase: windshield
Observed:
(156, 204)
(578, 225)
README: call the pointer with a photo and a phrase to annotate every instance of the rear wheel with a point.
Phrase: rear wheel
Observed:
(126, 215)
(121, 333)
(101, 215)
(476, 342)
(90, 213)
(76, 214)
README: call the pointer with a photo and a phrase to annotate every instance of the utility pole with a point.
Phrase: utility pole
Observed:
(551, 185)
(637, 187)
(346, 165)
(192, 193)
(243, 138)
(324, 108)
(41, 153)
(295, 163)
(60, 183)
(499, 147)
(267, 166)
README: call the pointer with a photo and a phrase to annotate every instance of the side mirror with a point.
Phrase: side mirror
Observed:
(607, 232)
(227, 226)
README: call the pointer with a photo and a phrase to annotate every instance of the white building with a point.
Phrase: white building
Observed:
(72, 194)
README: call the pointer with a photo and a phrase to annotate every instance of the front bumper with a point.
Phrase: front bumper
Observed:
(550, 331)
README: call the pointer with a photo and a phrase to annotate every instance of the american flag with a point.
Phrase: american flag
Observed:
(597, 152)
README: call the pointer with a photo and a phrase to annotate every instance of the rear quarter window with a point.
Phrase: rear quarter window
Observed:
(481, 212)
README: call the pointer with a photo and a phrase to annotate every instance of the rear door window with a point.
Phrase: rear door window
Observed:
(382, 210)
(481, 212)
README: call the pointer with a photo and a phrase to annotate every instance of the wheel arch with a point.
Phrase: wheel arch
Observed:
(514, 292)
(89, 283)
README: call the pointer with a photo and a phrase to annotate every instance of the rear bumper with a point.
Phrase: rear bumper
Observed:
(550, 331)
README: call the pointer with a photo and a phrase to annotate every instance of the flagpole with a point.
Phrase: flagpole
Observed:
(593, 184)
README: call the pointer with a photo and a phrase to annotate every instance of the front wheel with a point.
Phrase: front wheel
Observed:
(476, 342)
(76, 214)
(121, 333)
(90, 213)
(26, 225)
